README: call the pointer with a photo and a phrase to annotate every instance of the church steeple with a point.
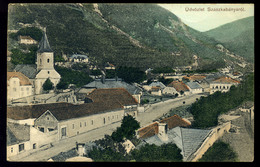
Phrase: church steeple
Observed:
(44, 45)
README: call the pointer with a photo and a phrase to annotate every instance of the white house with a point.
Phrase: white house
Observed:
(222, 84)
(27, 40)
(18, 85)
(194, 87)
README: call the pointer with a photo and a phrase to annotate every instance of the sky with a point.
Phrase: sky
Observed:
(202, 17)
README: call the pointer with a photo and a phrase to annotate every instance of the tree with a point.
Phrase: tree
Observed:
(126, 130)
(48, 85)
(131, 74)
(152, 153)
(219, 152)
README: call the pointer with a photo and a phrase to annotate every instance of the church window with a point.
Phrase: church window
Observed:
(40, 61)
(104, 120)
(48, 60)
(48, 72)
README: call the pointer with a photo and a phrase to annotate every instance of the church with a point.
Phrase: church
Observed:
(43, 68)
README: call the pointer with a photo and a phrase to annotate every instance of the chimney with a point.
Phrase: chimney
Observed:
(162, 131)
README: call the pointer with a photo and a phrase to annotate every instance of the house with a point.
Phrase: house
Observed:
(194, 87)
(18, 85)
(120, 95)
(128, 145)
(153, 128)
(79, 58)
(67, 120)
(180, 87)
(170, 91)
(43, 68)
(17, 139)
(174, 130)
(196, 78)
(27, 40)
(156, 91)
(222, 84)
(112, 83)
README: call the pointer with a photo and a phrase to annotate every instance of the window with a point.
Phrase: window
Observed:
(85, 124)
(63, 132)
(34, 146)
(21, 147)
(104, 120)
(14, 89)
(48, 118)
(21, 89)
(80, 124)
(40, 61)
(92, 122)
(48, 72)
(48, 60)
(12, 149)
(72, 126)
(14, 82)
(27, 89)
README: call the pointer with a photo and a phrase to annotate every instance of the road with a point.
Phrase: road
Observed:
(155, 111)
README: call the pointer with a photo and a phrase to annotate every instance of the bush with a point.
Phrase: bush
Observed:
(48, 85)
(219, 152)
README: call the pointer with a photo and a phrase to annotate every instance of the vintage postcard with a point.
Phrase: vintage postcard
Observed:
(99, 82)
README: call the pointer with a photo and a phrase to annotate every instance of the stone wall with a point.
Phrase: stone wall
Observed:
(216, 133)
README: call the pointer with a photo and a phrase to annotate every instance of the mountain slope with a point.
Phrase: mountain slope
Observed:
(237, 36)
(123, 34)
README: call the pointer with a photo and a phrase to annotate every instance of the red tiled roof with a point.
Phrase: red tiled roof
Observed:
(120, 95)
(23, 79)
(152, 129)
(179, 86)
(225, 80)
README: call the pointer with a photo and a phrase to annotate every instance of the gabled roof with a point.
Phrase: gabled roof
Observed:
(23, 79)
(193, 85)
(152, 129)
(29, 70)
(44, 45)
(61, 111)
(112, 95)
(225, 80)
(17, 133)
(179, 86)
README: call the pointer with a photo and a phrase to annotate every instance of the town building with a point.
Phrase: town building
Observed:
(180, 87)
(194, 87)
(194, 78)
(222, 84)
(18, 86)
(43, 68)
(27, 40)
(79, 58)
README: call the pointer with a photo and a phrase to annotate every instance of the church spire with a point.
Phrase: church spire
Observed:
(44, 45)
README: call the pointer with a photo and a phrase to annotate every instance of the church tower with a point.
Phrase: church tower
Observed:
(45, 65)
(45, 58)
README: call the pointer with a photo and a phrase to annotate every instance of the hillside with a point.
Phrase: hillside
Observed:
(123, 34)
(237, 36)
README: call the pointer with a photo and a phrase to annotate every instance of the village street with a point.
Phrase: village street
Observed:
(155, 111)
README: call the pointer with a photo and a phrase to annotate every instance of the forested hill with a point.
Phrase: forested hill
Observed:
(141, 35)
(237, 36)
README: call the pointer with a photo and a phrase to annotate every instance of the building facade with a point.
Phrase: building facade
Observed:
(222, 84)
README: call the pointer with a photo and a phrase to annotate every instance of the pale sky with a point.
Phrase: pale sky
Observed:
(202, 18)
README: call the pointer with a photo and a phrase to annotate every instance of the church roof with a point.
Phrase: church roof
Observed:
(44, 45)
(29, 70)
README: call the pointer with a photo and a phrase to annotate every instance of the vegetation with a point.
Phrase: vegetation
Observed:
(152, 153)
(219, 152)
(207, 109)
(237, 36)
(159, 70)
(131, 74)
(20, 57)
(110, 73)
(33, 32)
(127, 129)
(165, 81)
(93, 36)
(69, 76)
(48, 85)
